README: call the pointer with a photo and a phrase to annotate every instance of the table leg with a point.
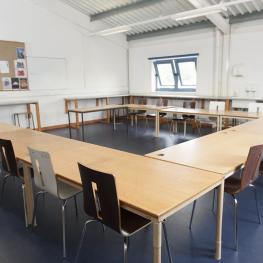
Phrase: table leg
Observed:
(76, 105)
(29, 196)
(218, 128)
(157, 124)
(157, 242)
(220, 204)
(127, 120)
(82, 124)
(114, 120)
(38, 117)
(69, 125)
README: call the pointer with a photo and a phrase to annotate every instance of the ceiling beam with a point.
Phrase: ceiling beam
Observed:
(217, 19)
(125, 8)
(171, 30)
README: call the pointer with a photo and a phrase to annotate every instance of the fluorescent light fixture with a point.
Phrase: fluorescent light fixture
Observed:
(113, 31)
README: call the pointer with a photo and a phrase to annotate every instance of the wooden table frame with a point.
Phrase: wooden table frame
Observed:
(83, 111)
(121, 162)
(28, 105)
(76, 100)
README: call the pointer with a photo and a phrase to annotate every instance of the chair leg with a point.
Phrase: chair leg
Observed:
(76, 205)
(257, 203)
(136, 121)
(24, 203)
(192, 215)
(235, 221)
(3, 186)
(82, 239)
(63, 208)
(125, 249)
(35, 206)
(184, 128)
(167, 242)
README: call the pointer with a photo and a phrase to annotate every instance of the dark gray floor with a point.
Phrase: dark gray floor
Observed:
(43, 244)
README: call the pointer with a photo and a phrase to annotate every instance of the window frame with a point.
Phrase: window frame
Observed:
(177, 62)
(174, 61)
(157, 75)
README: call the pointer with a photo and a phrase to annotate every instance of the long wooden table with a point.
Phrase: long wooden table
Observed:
(28, 104)
(219, 115)
(152, 188)
(83, 111)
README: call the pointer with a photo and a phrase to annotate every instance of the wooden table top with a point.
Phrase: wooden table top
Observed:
(5, 127)
(238, 114)
(223, 152)
(181, 110)
(17, 102)
(147, 107)
(153, 187)
(97, 108)
(86, 97)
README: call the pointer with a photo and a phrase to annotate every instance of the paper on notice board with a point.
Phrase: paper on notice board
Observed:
(4, 67)
(6, 83)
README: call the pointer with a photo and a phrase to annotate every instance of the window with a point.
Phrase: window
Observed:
(178, 73)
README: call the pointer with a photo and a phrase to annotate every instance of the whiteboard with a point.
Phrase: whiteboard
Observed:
(47, 73)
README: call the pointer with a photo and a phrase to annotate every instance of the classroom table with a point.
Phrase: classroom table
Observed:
(197, 112)
(128, 107)
(223, 152)
(139, 179)
(28, 104)
(87, 110)
(238, 115)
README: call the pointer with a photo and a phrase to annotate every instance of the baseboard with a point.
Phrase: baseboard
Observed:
(73, 125)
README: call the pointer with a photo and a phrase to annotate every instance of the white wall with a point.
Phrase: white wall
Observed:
(199, 41)
(57, 40)
(245, 49)
(246, 52)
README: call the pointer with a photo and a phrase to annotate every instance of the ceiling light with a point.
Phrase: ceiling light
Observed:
(113, 31)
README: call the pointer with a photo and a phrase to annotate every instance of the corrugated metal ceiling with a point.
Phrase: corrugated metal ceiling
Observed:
(161, 8)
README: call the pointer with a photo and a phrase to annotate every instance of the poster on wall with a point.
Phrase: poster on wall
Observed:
(24, 83)
(4, 67)
(20, 63)
(20, 53)
(7, 84)
(15, 83)
(20, 72)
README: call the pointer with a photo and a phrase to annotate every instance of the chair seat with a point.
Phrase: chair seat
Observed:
(233, 185)
(131, 223)
(137, 112)
(66, 190)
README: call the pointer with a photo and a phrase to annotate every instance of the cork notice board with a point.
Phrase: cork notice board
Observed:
(13, 66)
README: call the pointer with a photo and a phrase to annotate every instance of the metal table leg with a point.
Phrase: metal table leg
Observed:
(69, 125)
(82, 124)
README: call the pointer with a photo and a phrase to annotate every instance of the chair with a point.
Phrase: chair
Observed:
(255, 107)
(160, 103)
(10, 168)
(139, 113)
(102, 204)
(29, 117)
(235, 185)
(46, 180)
(185, 118)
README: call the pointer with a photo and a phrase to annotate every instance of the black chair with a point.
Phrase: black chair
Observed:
(235, 185)
(102, 204)
(160, 103)
(185, 118)
(138, 113)
(10, 168)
